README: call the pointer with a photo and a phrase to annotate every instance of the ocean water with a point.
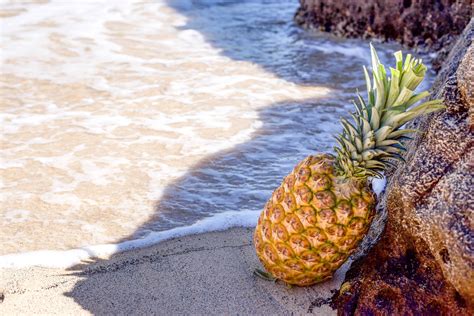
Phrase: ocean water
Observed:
(124, 123)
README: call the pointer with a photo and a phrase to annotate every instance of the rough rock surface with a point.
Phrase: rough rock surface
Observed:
(431, 24)
(424, 260)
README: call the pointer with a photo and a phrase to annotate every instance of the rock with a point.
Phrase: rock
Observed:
(424, 260)
(434, 25)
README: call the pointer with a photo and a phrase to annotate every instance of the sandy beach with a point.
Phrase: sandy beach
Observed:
(143, 142)
(199, 274)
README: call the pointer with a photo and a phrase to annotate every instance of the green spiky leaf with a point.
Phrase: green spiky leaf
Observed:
(374, 138)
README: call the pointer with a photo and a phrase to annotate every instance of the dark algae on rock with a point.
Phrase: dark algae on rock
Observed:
(423, 263)
(432, 24)
(411, 22)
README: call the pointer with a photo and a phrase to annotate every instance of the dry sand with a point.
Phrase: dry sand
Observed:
(201, 274)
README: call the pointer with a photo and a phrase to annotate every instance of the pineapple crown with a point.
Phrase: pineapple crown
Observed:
(373, 141)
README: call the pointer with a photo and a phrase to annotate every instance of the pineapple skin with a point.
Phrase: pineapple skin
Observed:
(313, 222)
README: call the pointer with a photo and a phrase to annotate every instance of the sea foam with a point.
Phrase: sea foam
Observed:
(69, 258)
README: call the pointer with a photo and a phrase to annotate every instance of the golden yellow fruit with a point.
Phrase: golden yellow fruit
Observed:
(313, 222)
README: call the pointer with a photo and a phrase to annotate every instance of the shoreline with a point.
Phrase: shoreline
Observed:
(63, 259)
(209, 273)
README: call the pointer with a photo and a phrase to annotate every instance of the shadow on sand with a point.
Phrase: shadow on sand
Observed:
(241, 178)
(231, 180)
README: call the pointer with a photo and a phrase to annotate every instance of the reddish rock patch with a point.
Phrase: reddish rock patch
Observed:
(423, 263)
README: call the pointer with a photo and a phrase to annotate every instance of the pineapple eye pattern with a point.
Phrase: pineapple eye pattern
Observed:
(284, 250)
(280, 232)
(277, 214)
(344, 208)
(303, 195)
(310, 256)
(360, 207)
(258, 242)
(295, 265)
(278, 195)
(327, 216)
(305, 228)
(294, 224)
(323, 199)
(268, 209)
(300, 243)
(270, 253)
(317, 234)
(289, 203)
(289, 183)
(303, 174)
(307, 216)
(318, 182)
(267, 230)
(336, 230)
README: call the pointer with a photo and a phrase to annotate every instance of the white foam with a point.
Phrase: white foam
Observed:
(349, 50)
(378, 185)
(16, 216)
(69, 258)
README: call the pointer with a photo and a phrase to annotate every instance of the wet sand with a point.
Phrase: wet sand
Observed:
(200, 274)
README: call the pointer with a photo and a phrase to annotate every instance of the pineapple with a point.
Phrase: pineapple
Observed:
(317, 217)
